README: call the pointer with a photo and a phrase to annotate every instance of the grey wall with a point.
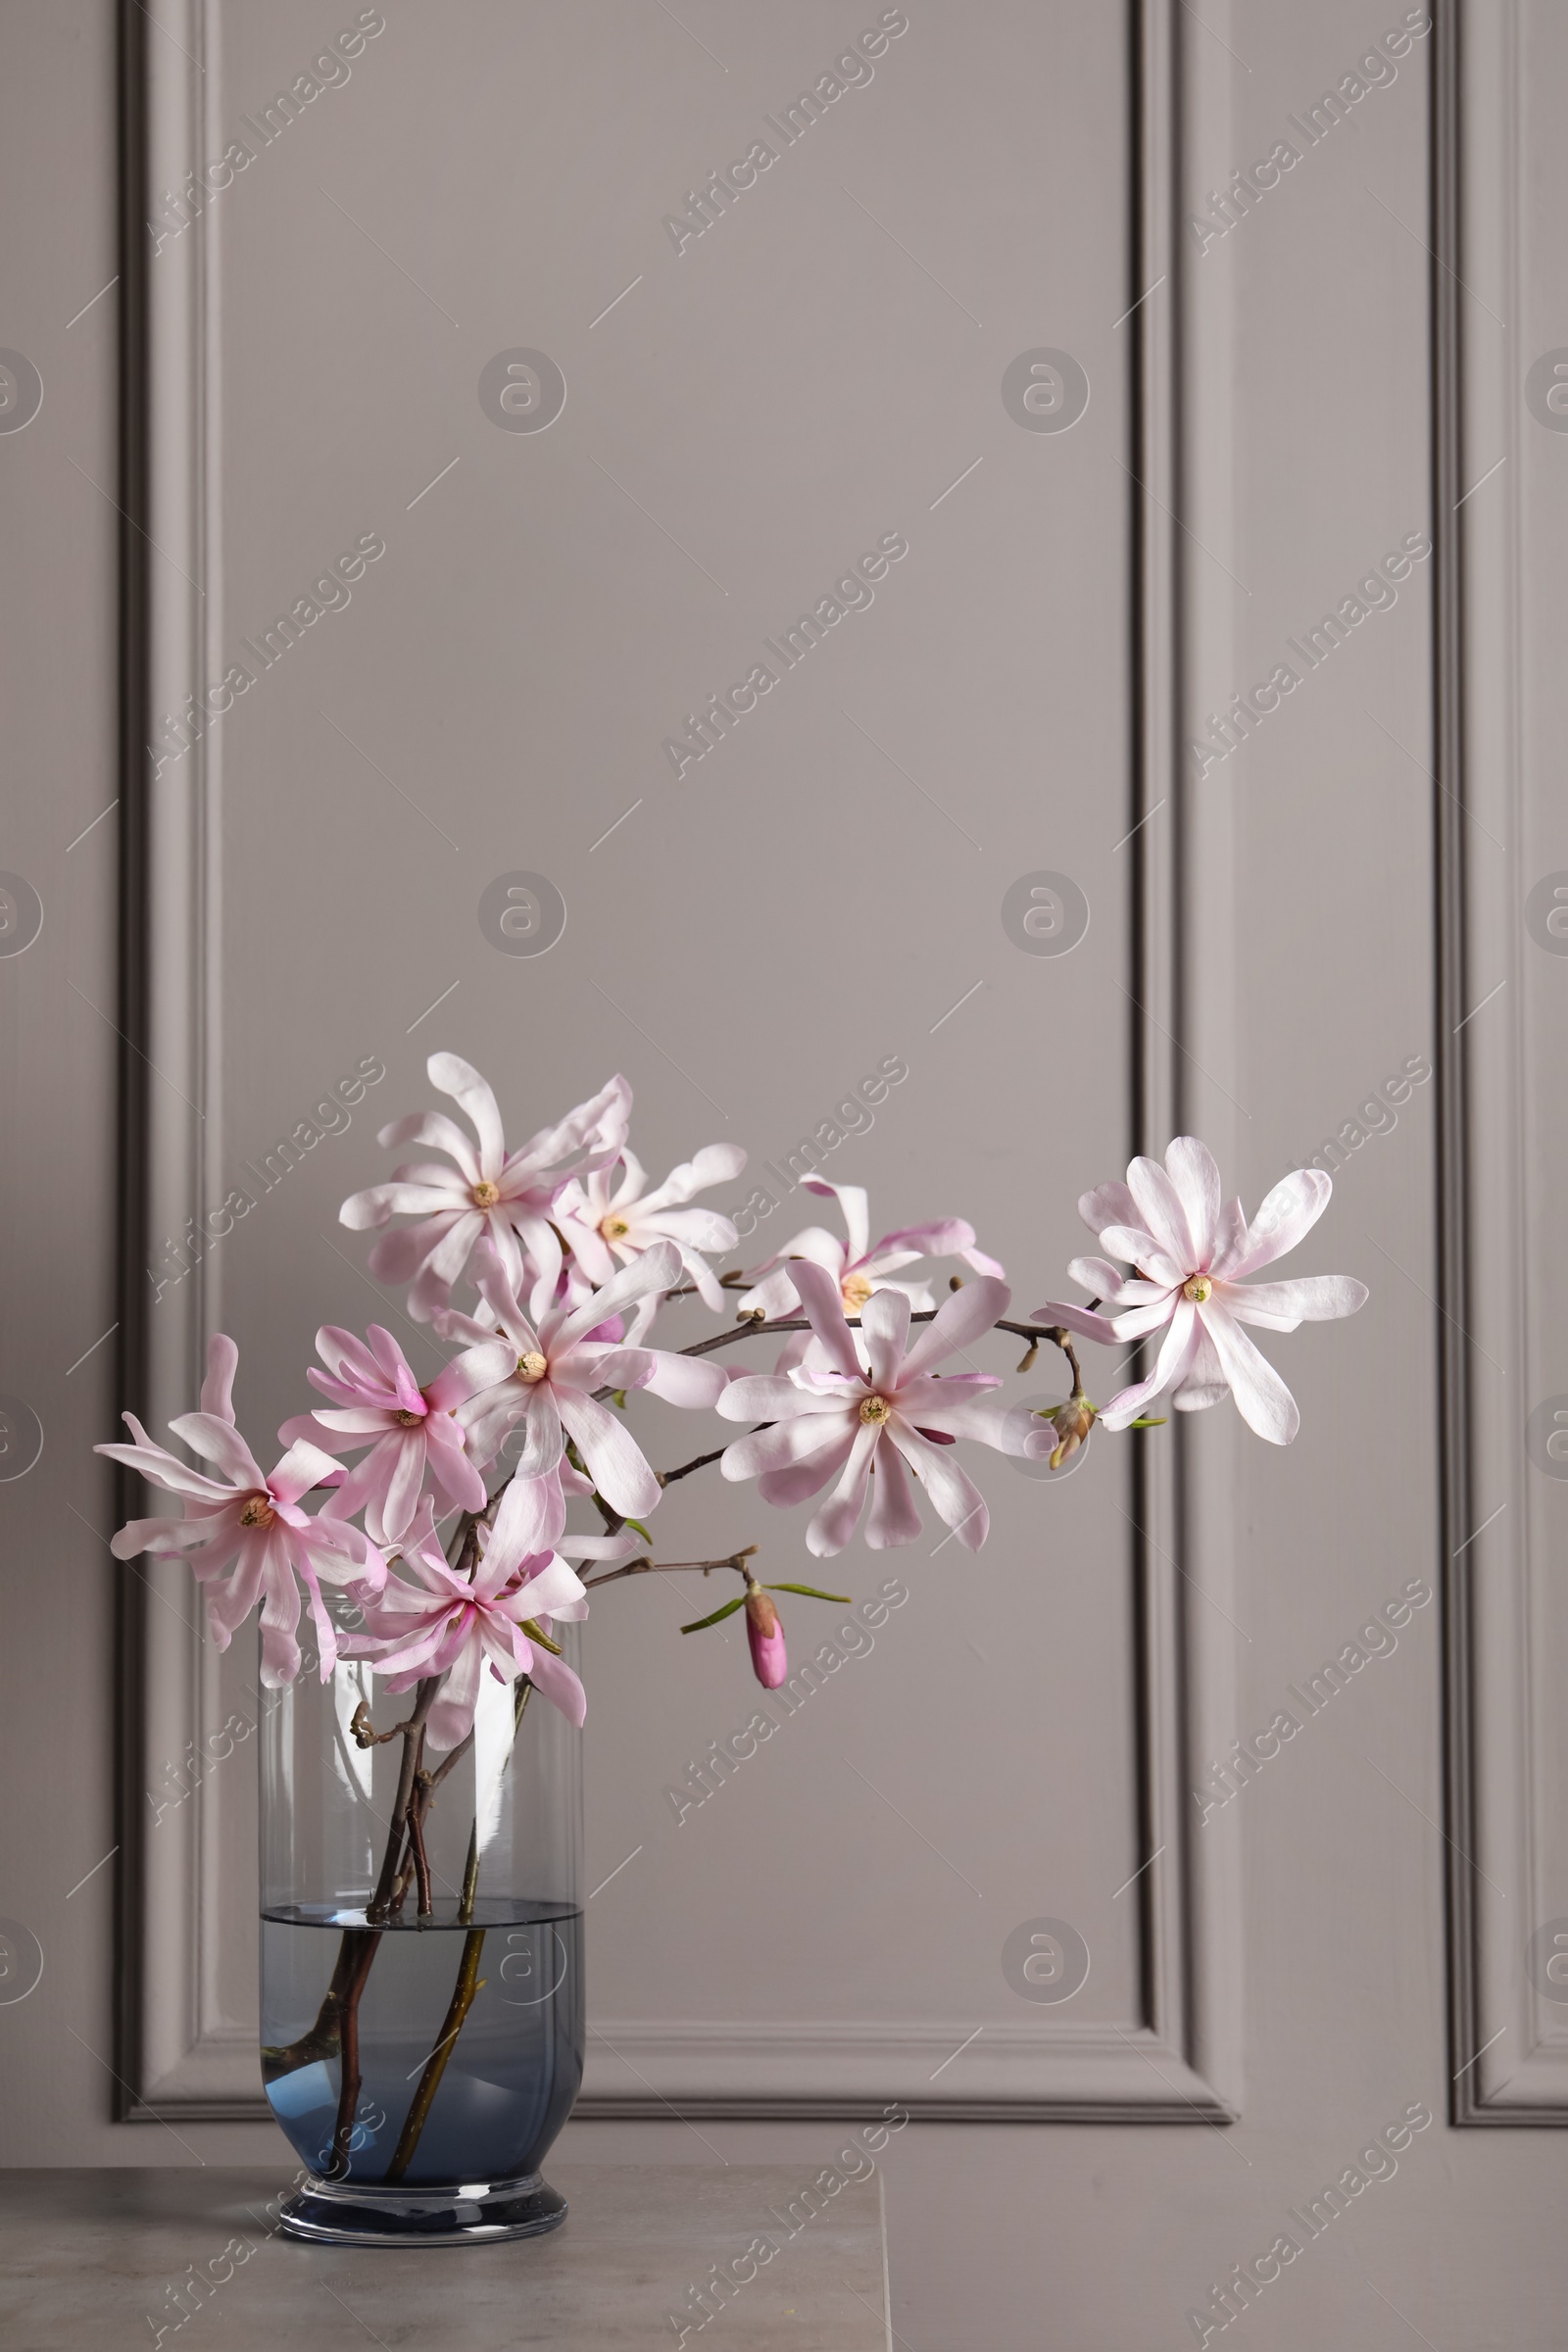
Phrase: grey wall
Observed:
(785, 389)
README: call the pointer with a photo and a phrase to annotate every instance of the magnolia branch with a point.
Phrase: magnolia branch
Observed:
(755, 1325)
(644, 1566)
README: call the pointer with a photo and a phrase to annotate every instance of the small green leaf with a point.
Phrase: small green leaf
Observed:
(811, 1592)
(1144, 1422)
(641, 1530)
(536, 1633)
(618, 1397)
(718, 1616)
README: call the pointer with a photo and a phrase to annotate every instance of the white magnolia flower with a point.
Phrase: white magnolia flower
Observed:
(1190, 1255)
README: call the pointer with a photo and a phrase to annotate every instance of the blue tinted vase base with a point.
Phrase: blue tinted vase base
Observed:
(351, 2213)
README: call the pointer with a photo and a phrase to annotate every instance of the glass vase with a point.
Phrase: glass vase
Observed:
(421, 1958)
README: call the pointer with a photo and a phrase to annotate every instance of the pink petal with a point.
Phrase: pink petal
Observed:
(354, 1422)
(658, 1269)
(696, 1228)
(1078, 1319)
(453, 1476)
(798, 1481)
(163, 1536)
(1162, 1212)
(978, 1419)
(1109, 1204)
(451, 1717)
(599, 1122)
(340, 1553)
(1192, 1169)
(542, 1443)
(954, 1497)
(1290, 1212)
(685, 1380)
(789, 1441)
(165, 1470)
(941, 1237)
(498, 1289)
(554, 1680)
(1102, 1280)
(774, 1293)
(1230, 1237)
(1262, 1400)
(1138, 1321)
(1175, 1359)
(710, 1290)
(589, 1248)
(714, 1164)
(1141, 1249)
(219, 1441)
(398, 1255)
(812, 1241)
(229, 1605)
(611, 1453)
(557, 1591)
(451, 1075)
(217, 1388)
(302, 1467)
(885, 1330)
(281, 1614)
(472, 1373)
(819, 1295)
(530, 1518)
(963, 1317)
(540, 1251)
(450, 1256)
(895, 1517)
(621, 1546)
(835, 1523)
(441, 1134)
(398, 1198)
(853, 1207)
(772, 1396)
(1282, 1306)
(1203, 1384)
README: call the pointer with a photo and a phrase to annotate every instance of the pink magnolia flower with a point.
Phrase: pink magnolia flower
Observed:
(456, 1627)
(248, 1524)
(1190, 1255)
(834, 1420)
(504, 1197)
(857, 1265)
(603, 1227)
(554, 1369)
(764, 1634)
(413, 1432)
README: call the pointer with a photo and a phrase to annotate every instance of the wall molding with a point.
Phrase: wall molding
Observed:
(174, 2038)
(183, 2054)
(1509, 2047)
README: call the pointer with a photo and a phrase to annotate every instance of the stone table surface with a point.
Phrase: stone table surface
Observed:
(104, 2258)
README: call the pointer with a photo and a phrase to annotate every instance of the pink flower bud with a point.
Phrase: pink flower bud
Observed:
(769, 1658)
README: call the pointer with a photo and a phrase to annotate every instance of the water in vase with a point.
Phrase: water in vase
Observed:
(470, 2038)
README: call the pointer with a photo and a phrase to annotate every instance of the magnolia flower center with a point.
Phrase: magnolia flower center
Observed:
(614, 1229)
(256, 1511)
(1198, 1288)
(875, 1410)
(486, 1194)
(407, 1420)
(532, 1366)
(855, 1290)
